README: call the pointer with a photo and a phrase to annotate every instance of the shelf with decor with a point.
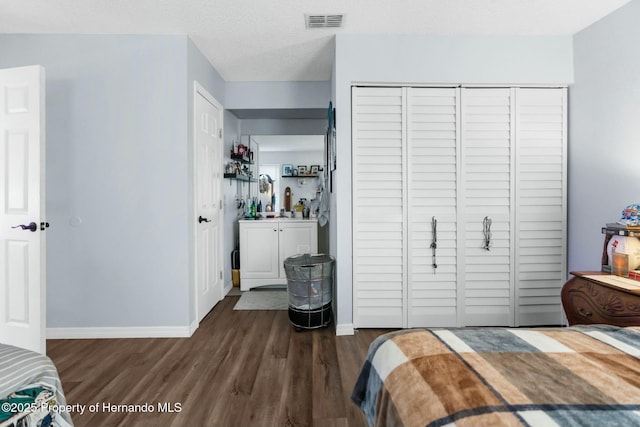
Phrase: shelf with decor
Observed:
(242, 166)
(612, 229)
(302, 171)
(300, 176)
(239, 177)
(242, 159)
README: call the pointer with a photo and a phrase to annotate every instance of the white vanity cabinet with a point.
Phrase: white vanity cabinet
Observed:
(265, 244)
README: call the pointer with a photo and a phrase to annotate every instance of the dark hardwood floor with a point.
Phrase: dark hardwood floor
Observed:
(240, 368)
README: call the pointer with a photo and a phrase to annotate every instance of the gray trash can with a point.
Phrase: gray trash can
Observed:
(310, 287)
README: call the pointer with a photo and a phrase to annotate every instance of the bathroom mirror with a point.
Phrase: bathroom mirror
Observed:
(296, 150)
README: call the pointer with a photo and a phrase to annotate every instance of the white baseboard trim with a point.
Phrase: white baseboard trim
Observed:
(192, 328)
(123, 332)
(345, 329)
(227, 288)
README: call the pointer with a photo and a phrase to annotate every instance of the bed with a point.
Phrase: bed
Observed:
(25, 374)
(587, 375)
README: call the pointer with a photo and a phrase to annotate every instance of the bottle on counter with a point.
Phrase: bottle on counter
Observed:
(248, 208)
(253, 208)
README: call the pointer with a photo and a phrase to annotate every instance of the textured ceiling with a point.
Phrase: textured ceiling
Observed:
(259, 40)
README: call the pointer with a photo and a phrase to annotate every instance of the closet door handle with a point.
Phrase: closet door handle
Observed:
(201, 220)
(434, 243)
(486, 230)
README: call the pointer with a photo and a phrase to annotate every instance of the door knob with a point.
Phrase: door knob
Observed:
(32, 226)
(201, 220)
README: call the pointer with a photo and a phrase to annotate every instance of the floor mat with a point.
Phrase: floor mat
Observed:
(263, 300)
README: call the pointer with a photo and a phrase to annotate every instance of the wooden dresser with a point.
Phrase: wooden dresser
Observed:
(610, 300)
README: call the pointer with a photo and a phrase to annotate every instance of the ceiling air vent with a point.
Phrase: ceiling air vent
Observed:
(323, 21)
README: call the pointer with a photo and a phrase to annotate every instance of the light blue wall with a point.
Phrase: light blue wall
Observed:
(384, 59)
(454, 59)
(604, 133)
(284, 126)
(117, 189)
(277, 95)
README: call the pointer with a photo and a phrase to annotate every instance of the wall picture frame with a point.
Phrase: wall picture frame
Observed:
(287, 170)
(314, 170)
(302, 170)
(332, 150)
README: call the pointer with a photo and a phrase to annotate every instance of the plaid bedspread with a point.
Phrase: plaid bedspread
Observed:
(577, 376)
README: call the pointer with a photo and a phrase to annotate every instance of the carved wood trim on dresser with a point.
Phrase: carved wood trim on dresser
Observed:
(587, 300)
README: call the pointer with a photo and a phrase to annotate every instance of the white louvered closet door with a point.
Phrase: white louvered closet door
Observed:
(465, 157)
(487, 140)
(378, 214)
(541, 204)
(432, 141)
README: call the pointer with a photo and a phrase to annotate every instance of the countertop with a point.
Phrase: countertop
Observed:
(287, 219)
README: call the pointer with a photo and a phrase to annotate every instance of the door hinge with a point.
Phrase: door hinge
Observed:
(220, 204)
(220, 274)
(220, 133)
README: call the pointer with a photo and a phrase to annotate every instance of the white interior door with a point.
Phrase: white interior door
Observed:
(208, 201)
(22, 196)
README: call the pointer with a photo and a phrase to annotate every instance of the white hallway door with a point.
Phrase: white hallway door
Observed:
(22, 208)
(208, 211)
